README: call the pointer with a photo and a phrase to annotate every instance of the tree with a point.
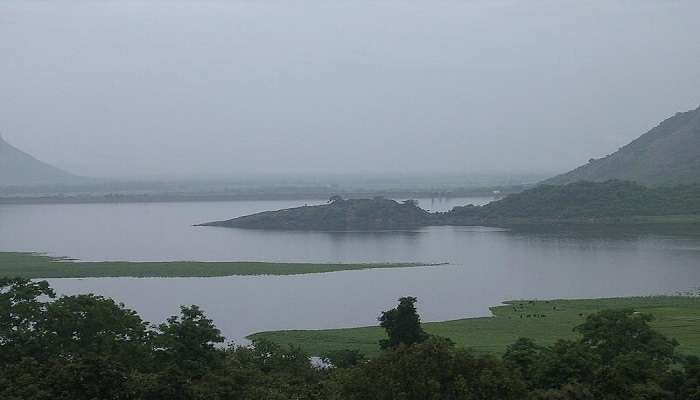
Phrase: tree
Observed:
(88, 347)
(402, 325)
(92, 347)
(615, 332)
(76, 347)
(434, 369)
(619, 357)
(566, 363)
(20, 310)
(524, 356)
(185, 350)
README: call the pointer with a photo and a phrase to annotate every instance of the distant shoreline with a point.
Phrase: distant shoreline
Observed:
(219, 197)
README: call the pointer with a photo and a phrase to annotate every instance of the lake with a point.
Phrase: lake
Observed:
(486, 267)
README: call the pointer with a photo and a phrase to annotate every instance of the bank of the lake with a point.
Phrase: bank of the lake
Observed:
(35, 266)
(546, 321)
(597, 204)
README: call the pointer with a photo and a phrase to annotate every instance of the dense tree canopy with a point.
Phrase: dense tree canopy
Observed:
(89, 347)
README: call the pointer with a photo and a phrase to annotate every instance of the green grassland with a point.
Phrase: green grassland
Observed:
(33, 266)
(544, 321)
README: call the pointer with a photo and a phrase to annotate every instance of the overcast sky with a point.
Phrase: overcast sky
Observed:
(176, 88)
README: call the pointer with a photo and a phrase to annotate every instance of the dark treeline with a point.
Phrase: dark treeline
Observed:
(89, 347)
(585, 200)
(580, 202)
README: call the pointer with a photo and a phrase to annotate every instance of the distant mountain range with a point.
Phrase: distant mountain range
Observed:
(669, 154)
(18, 168)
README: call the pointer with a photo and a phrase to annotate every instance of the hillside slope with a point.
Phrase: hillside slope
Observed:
(18, 168)
(593, 202)
(666, 155)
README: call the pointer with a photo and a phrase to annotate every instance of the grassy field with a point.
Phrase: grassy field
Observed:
(545, 321)
(31, 265)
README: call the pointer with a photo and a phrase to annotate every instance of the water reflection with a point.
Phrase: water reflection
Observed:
(487, 265)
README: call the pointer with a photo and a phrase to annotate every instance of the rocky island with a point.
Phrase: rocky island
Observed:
(339, 215)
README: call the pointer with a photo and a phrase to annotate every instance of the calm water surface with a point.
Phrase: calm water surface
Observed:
(487, 265)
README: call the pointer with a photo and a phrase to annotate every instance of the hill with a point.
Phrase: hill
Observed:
(668, 154)
(590, 202)
(580, 202)
(339, 215)
(18, 168)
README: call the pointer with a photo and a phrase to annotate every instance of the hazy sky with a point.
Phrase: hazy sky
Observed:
(125, 88)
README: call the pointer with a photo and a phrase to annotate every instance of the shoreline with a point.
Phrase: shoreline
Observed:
(546, 321)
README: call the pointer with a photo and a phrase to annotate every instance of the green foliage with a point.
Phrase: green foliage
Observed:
(433, 369)
(31, 265)
(88, 347)
(344, 358)
(185, 344)
(569, 369)
(19, 313)
(566, 362)
(402, 325)
(523, 356)
(547, 320)
(617, 357)
(610, 201)
(77, 347)
(615, 332)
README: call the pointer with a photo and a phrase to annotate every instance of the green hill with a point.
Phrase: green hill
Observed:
(579, 202)
(588, 202)
(668, 154)
(18, 168)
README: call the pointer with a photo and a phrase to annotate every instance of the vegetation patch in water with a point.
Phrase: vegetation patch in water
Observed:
(32, 266)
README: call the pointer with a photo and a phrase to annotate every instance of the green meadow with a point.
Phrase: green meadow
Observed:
(546, 322)
(35, 266)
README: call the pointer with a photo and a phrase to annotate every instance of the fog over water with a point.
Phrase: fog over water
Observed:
(229, 88)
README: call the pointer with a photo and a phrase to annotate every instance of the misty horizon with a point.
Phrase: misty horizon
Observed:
(238, 89)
